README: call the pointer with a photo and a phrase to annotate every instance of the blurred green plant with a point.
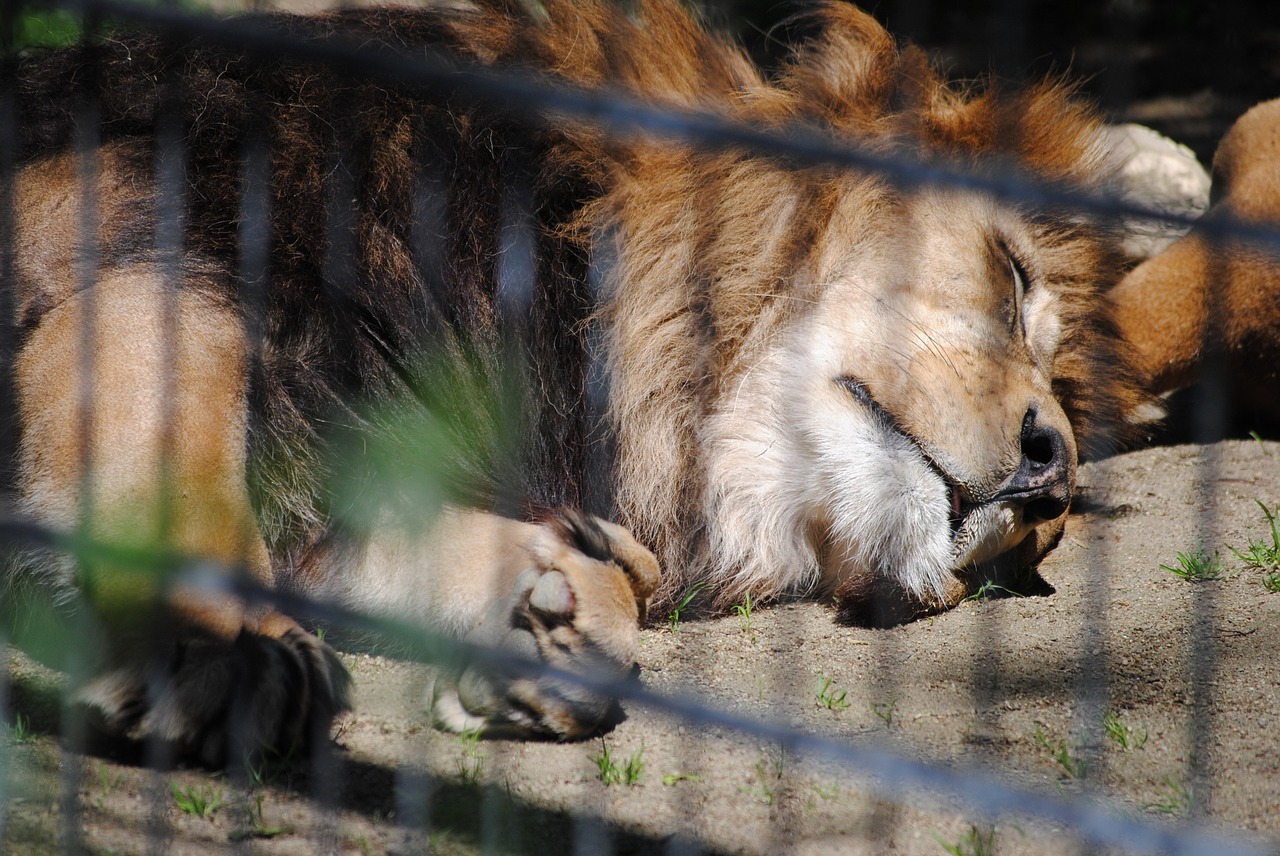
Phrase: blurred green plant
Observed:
(978, 841)
(46, 27)
(832, 697)
(36, 25)
(1121, 733)
(19, 730)
(613, 773)
(450, 432)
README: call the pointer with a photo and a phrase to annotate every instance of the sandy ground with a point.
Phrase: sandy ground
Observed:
(1019, 687)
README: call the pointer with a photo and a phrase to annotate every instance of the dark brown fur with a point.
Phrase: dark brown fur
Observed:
(354, 295)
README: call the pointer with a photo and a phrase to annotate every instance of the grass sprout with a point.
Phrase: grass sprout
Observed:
(18, 731)
(613, 773)
(769, 772)
(675, 615)
(830, 696)
(827, 793)
(1260, 554)
(1175, 799)
(256, 825)
(989, 590)
(1196, 567)
(200, 801)
(1122, 734)
(884, 712)
(975, 842)
(264, 769)
(470, 766)
(106, 783)
(1073, 766)
(743, 611)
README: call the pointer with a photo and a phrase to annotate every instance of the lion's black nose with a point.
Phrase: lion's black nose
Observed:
(1042, 483)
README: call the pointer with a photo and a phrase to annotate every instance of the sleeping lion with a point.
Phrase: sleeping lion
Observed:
(767, 377)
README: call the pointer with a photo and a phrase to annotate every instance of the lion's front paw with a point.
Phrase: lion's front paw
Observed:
(272, 688)
(578, 606)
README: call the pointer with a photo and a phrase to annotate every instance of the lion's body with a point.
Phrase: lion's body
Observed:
(816, 382)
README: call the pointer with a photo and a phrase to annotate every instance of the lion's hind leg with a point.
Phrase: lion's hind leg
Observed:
(133, 409)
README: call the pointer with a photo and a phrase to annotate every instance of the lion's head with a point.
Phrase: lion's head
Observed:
(826, 383)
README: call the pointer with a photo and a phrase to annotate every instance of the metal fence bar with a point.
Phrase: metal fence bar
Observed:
(85, 272)
(8, 337)
(1212, 399)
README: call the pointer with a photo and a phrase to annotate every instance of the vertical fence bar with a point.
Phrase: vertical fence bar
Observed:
(9, 18)
(514, 300)
(1212, 404)
(86, 268)
(252, 293)
(339, 274)
(415, 783)
(253, 238)
(169, 219)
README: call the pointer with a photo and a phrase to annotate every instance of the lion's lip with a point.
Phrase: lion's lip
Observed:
(960, 505)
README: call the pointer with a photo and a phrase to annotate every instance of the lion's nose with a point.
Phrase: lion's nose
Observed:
(1042, 482)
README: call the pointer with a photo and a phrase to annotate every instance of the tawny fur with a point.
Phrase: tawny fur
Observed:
(747, 240)
(818, 382)
(1210, 297)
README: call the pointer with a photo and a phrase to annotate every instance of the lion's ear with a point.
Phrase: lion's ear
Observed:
(1145, 169)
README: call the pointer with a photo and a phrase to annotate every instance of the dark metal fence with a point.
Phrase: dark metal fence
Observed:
(420, 804)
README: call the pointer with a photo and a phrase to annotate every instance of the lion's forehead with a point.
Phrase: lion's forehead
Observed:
(948, 247)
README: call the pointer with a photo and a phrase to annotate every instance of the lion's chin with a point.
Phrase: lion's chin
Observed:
(996, 559)
(991, 549)
(986, 532)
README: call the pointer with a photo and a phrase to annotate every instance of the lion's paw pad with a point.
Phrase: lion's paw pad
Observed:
(551, 595)
(577, 609)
